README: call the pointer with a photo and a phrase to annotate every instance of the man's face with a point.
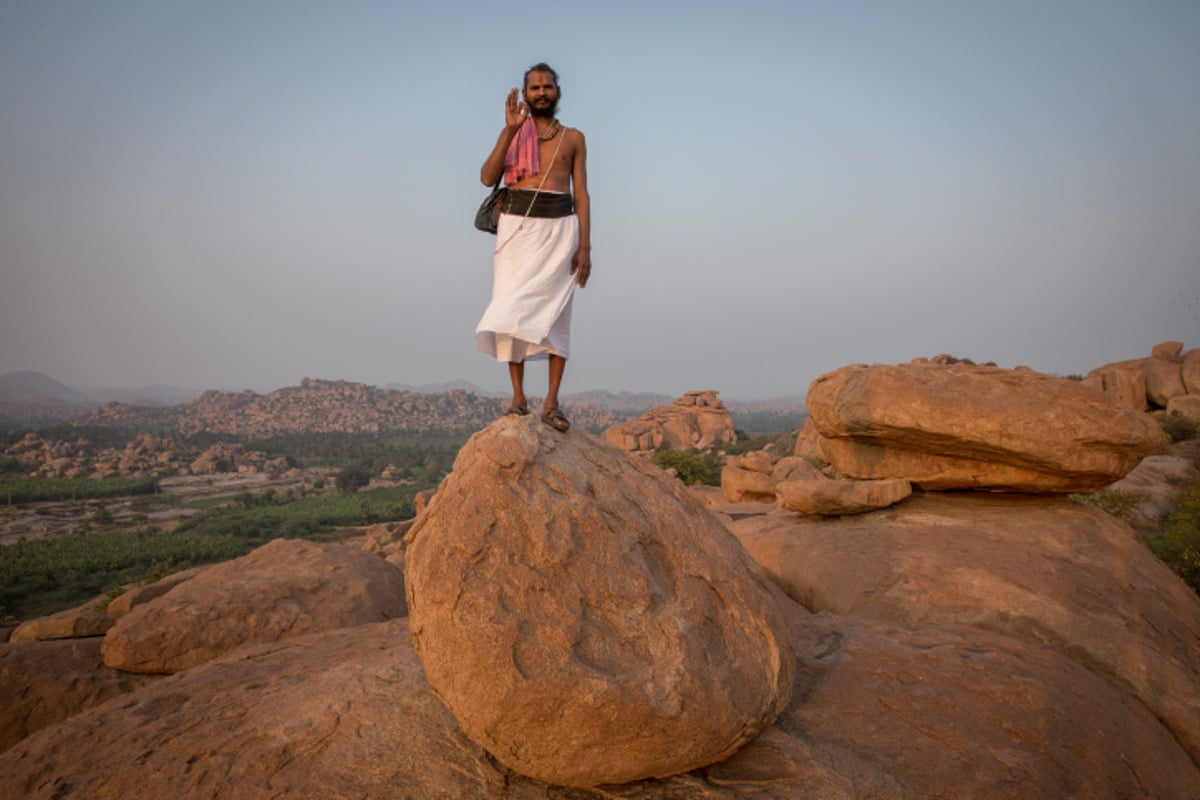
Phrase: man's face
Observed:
(541, 94)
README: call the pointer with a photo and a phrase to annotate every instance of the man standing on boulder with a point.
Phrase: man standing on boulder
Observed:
(543, 240)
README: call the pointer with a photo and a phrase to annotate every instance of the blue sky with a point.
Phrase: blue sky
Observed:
(241, 194)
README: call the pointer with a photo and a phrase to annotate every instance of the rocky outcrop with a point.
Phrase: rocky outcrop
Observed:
(754, 476)
(285, 588)
(697, 419)
(47, 682)
(561, 592)
(879, 709)
(343, 713)
(968, 427)
(1046, 570)
(1150, 383)
(748, 478)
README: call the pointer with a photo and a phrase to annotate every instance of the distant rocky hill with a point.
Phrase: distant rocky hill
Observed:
(321, 406)
(30, 399)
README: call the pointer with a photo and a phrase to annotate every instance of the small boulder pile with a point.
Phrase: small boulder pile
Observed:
(697, 419)
(1168, 381)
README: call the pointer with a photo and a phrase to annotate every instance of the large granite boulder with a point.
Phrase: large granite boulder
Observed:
(285, 588)
(1164, 380)
(1048, 570)
(583, 616)
(966, 427)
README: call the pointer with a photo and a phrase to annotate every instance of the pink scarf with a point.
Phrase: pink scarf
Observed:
(522, 156)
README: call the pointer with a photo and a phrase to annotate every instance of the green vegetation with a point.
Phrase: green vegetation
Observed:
(1178, 543)
(352, 478)
(1117, 502)
(781, 444)
(692, 466)
(34, 490)
(304, 518)
(420, 455)
(767, 423)
(46, 575)
(1179, 428)
(703, 467)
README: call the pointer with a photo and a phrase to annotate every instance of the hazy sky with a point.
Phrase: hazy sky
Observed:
(241, 194)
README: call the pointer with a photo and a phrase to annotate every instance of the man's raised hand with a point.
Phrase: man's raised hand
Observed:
(515, 112)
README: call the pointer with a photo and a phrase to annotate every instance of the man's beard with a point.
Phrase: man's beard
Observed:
(544, 111)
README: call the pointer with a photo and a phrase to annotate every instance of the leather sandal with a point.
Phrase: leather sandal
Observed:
(515, 410)
(555, 419)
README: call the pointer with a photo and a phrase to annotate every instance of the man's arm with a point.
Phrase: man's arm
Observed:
(514, 116)
(581, 263)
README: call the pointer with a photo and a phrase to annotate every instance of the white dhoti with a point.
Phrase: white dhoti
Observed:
(532, 289)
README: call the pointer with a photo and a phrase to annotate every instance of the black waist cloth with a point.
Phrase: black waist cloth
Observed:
(545, 204)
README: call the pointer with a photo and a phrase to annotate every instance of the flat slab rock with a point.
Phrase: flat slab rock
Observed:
(964, 427)
(585, 619)
(832, 497)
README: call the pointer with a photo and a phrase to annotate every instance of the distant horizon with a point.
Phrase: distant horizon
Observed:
(428, 387)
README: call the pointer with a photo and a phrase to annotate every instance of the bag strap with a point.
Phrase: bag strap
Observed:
(546, 174)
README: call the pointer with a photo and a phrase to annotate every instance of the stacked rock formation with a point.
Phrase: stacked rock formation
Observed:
(697, 419)
(937, 426)
(970, 427)
(1168, 380)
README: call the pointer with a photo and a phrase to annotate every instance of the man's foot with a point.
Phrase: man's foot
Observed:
(517, 410)
(555, 419)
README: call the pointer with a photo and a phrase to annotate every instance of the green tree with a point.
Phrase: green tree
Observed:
(352, 478)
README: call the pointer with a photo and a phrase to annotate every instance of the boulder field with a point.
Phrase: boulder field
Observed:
(580, 625)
